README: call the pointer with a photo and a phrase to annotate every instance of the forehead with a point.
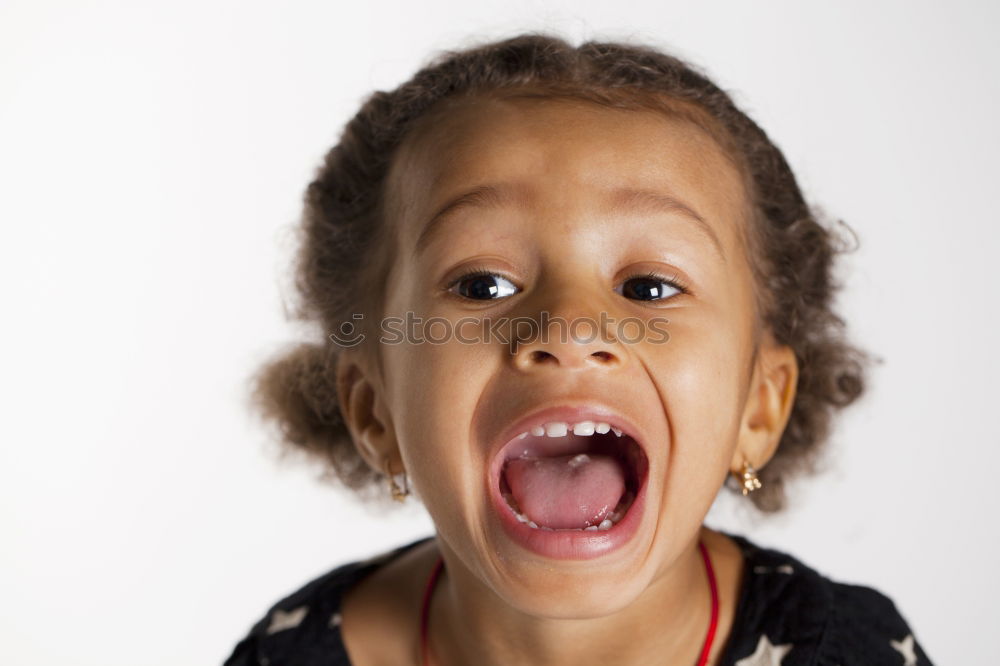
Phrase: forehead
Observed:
(564, 145)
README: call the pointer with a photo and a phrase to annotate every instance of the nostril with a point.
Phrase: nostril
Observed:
(539, 356)
(602, 355)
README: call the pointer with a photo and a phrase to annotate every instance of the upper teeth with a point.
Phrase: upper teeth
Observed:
(561, 428)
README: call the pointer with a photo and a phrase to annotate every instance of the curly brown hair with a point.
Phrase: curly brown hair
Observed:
(344, 244)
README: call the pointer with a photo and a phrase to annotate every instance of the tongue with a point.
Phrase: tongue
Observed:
(568, 491)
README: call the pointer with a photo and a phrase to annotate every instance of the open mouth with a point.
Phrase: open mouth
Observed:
(566, 477)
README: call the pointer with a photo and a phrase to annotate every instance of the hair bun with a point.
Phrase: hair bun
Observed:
(296, 391)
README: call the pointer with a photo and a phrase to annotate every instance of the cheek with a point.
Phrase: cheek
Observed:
(432, 385)
(699, 374)
(435, 389)
(708, 358)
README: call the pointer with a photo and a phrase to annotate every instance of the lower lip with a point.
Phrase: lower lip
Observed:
(569, 544)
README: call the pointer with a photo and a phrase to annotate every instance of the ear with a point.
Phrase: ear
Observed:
(362, 405)
(769, 404)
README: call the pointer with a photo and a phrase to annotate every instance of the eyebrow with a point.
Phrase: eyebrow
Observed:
(483, 196)
(642, 200)
(625, 198)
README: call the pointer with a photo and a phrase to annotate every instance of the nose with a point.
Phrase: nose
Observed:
(581, 342)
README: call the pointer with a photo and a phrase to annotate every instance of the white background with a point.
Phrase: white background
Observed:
(152, 160)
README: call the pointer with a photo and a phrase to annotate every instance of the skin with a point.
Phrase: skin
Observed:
(713, 395)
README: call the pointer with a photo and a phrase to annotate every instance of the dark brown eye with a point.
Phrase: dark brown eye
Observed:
(484, 286)
(650, 287)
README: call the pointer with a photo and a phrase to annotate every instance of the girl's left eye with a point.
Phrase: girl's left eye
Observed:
(651, 287)
(483, 286)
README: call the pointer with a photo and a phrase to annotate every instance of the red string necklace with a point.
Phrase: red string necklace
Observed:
(705, 650)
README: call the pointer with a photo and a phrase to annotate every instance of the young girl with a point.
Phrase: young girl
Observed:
(570, 291)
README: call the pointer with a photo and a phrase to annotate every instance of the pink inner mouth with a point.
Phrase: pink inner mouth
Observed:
(571, 482)
(567, 491)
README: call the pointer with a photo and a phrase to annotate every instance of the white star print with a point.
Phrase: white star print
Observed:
(905, 648)
(783, 568)
(282, 620)
(766, 654)
(335, 620)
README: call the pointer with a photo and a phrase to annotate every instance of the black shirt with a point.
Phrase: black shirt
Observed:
(787, 614)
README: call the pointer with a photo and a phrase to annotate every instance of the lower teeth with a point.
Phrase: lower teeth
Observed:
(623, 505)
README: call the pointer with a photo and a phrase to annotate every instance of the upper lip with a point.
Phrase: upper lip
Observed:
(570, 413)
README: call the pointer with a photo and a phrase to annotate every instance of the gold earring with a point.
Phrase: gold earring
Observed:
(398, 492)
(748, 479)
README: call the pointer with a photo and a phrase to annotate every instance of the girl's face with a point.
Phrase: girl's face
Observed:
(575, 204)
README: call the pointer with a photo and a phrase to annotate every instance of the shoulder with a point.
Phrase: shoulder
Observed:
(789, 613)
(865, 625)
(303, 628)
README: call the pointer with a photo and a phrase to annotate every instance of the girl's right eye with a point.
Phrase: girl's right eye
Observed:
(483, 286)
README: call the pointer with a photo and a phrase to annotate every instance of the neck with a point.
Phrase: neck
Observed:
(666, 623)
